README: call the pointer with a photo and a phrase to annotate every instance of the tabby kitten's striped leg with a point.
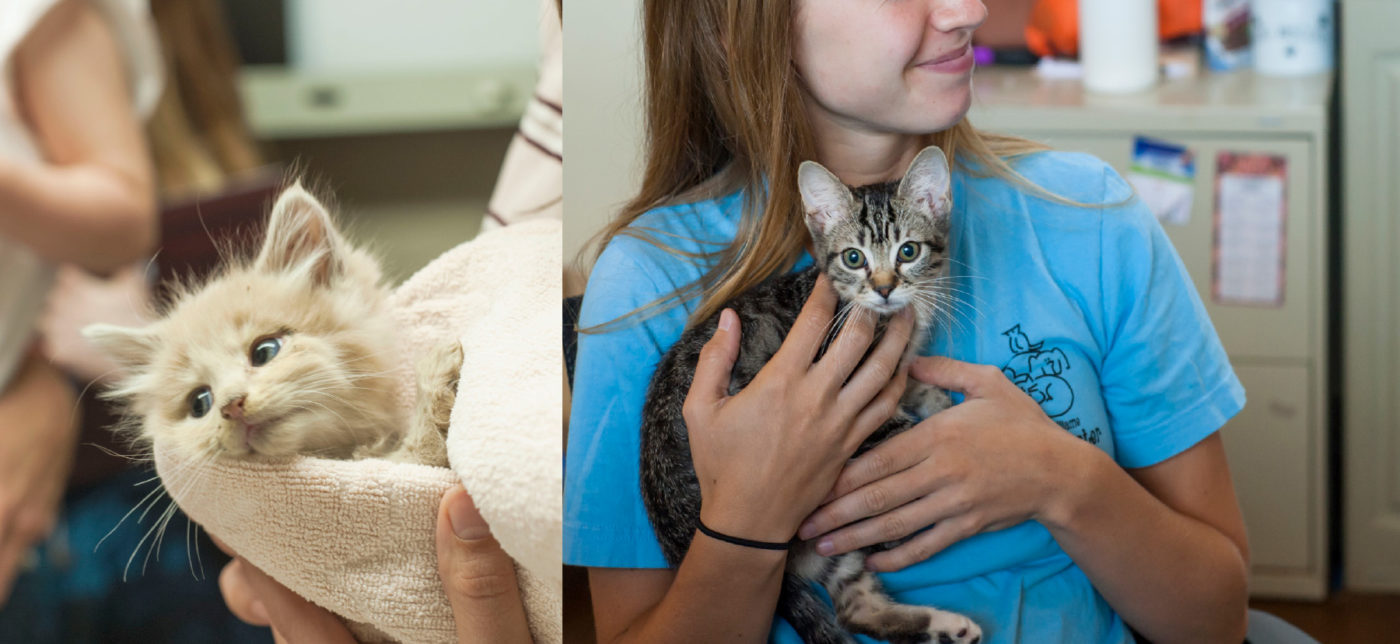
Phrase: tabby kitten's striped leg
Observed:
(863, 607)
(804, 610)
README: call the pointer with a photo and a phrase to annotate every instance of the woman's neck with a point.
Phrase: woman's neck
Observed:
(859, 156)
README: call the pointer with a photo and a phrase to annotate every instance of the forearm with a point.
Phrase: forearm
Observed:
(87, 215)
(721, 593)
(1172, 577)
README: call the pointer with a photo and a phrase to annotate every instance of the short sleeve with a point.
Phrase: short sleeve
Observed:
(605, 522)
(1167, 382)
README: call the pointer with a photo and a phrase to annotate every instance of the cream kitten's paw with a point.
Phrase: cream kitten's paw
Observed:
(438, 372)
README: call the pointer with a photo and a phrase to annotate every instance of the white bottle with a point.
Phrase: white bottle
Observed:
(1118, 45)
(1292, 37)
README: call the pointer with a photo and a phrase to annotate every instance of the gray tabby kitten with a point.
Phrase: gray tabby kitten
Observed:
(884, 247)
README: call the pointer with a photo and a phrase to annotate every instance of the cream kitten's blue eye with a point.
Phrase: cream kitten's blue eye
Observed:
(201, 401)
(264, 350)
(853, 258)
(908, 252)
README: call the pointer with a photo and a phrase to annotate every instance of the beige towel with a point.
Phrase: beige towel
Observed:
(357, 536)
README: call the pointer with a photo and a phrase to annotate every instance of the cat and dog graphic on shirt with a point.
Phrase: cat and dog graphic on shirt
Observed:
(1039, 371)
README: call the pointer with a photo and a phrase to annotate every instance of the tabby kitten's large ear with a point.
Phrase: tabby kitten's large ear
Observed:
(301, 237)
(925, 186)
(824, 197)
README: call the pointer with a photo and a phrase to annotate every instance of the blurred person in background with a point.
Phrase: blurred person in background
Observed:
(79, 188)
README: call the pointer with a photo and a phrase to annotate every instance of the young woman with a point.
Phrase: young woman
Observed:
(1099, 503)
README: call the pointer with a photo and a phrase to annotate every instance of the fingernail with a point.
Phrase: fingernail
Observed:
(466, 521)
(726, 320)
(825, 547)
(807, 531)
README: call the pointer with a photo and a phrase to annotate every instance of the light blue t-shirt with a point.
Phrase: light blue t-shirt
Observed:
(1088, 310)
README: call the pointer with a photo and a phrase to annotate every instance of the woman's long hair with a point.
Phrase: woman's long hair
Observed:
(724, 112)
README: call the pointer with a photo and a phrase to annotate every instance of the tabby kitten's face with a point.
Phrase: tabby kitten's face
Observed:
(884, 246)
(289, 353)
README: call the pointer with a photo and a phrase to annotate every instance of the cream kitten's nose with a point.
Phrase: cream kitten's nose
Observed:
(233, 409)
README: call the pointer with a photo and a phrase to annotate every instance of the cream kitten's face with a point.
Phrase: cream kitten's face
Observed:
(287, 354)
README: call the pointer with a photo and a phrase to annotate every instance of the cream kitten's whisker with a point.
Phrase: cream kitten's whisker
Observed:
(133, 458)
(158, 489)
(137, 549)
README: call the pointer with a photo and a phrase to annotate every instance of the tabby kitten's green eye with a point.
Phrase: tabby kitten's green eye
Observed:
(264, 350)
(201, 401)
(853, 258)
(908, 252)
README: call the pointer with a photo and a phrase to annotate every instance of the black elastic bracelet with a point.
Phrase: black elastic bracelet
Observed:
(739, 541)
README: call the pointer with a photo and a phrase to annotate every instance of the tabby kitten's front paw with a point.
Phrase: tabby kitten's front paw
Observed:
(950, 628)
(923, 400)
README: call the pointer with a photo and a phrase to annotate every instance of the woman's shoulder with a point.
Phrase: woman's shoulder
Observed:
(662, 251)
(1092, 195)
(673, 235)
(1076, 176)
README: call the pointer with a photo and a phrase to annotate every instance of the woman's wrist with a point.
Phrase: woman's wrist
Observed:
(751, 525)
(1076, 469)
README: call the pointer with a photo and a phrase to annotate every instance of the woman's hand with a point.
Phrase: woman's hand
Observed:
(37, 431)
(477, 575)
(990, 463)
(766, 456)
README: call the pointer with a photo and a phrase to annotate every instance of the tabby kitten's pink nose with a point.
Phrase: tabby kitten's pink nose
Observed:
(884, 291)
(233, 409)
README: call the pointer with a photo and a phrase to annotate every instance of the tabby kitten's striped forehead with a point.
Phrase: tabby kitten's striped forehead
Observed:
(884, 246)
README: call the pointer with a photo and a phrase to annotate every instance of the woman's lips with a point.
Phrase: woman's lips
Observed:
(954, 63)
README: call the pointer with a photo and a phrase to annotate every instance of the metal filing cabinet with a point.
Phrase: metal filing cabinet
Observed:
(1278, 445)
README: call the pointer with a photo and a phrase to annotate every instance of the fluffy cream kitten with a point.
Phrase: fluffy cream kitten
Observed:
(289, 352)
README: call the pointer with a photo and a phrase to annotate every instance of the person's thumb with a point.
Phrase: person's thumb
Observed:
(715, 367)
(477, 575)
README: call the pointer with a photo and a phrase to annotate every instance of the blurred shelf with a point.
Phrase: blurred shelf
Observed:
(284, 103)
(1211, 102)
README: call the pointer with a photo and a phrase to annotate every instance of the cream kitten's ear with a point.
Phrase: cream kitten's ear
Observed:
(926, 183)
(301, 236)
(131, 348)
(824, 197)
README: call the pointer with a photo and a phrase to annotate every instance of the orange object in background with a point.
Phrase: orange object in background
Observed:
(1053, 29)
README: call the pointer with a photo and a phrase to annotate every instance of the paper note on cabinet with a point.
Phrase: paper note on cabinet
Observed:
(1164, 175)
(1250, 234)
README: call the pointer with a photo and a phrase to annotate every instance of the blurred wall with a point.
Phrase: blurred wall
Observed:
(602, 86)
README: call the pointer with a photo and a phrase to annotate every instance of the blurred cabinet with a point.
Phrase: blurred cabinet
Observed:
(1278, 446)
(1371, 272)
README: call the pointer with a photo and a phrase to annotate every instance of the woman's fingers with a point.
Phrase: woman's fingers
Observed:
(894, 455)
(807, 333)
(478, 576)
(924, 545)
(716, 364)
(974, 380)
(296, 620)
(876, 412)
(934, 510)
(239, 596)
(878, 368)
(892, 508)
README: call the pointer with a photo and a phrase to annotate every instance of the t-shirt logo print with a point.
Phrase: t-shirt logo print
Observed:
(1037, 371)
